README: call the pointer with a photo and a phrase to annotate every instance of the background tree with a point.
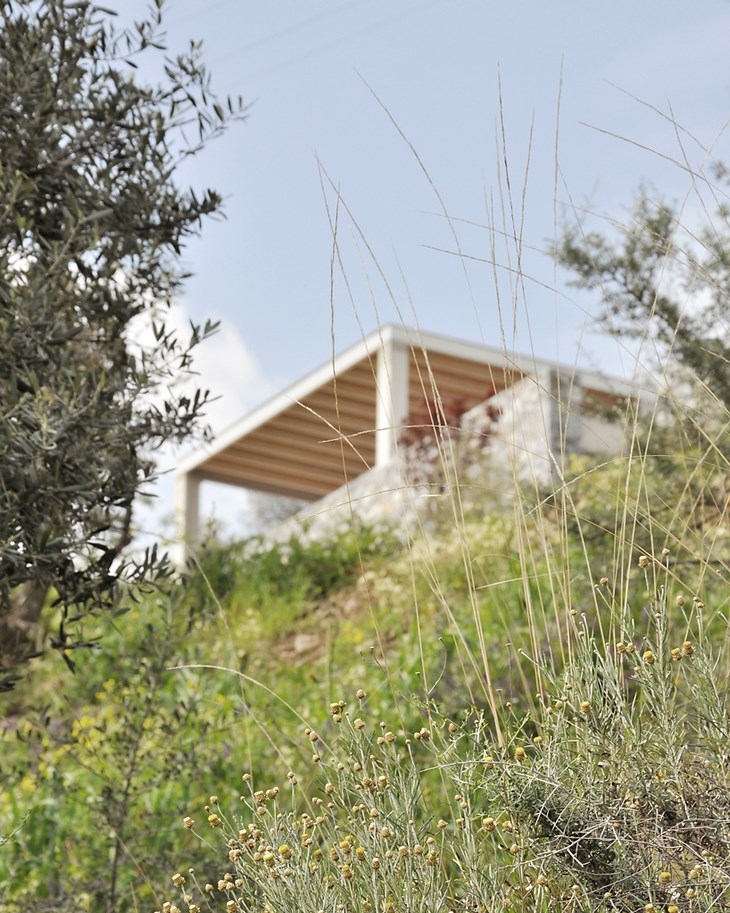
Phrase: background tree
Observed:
(668, 284)
(658, 280)
(92, 225)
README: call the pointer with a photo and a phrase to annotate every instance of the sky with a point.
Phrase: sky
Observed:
(452, 138)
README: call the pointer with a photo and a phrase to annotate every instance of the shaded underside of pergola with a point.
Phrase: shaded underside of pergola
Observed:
(348, 416)
(312, 445)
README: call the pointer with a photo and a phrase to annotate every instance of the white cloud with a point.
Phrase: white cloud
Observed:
(224, 365)
(236, 381)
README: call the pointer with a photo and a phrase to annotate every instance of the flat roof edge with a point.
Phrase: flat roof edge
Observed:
(368, 347)
(365, 348)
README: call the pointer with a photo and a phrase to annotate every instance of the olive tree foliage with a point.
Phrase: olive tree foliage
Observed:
(661, 281)
(92, 225)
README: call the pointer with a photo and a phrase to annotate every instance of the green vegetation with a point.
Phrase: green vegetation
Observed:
(461, 719)
(93, 223)
(613, 796)
(522, 706)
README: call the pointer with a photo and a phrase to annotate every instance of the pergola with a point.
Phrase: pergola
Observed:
(345, 418)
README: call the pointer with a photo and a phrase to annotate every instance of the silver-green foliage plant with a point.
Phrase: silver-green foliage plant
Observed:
(92, 225)
(621, 798)
(613, 795)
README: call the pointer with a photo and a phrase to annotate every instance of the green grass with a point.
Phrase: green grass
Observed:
(614, 795)
(526, 625)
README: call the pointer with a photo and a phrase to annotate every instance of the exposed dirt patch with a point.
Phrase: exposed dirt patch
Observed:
(321, 623)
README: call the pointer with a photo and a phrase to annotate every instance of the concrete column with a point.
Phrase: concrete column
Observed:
(391, 397)
(566, 429)
(187, 517)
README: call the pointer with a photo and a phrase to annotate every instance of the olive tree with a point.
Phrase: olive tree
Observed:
(661, 280)
(93, 221)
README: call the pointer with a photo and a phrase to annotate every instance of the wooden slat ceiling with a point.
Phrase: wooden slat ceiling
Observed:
(309, 448)
(452, 382)
(313, 447)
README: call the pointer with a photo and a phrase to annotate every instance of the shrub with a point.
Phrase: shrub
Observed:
(97, 772)
(614, 796)
(260, 570)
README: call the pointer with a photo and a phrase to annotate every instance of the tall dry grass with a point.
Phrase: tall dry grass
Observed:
(571, 749)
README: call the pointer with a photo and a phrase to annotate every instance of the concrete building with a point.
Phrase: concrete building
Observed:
(338, 432)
